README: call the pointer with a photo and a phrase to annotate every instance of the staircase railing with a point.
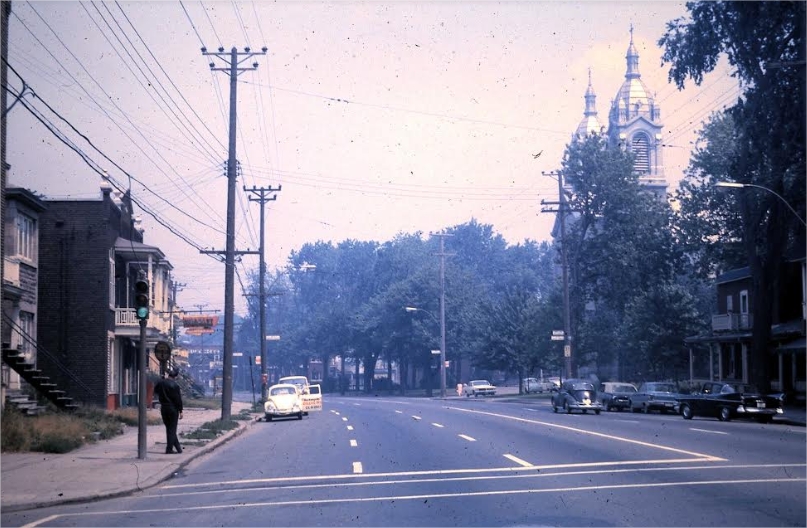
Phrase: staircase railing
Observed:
(42, 382)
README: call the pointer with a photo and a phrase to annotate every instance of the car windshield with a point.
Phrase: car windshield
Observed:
(583, 386)
(280, 391)
(741, 388)
(480, 383)
(623, 388)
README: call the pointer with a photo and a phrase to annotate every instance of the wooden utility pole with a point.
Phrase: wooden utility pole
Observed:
(562, 211)
(263, 197)
(233, 69)
(442, 256)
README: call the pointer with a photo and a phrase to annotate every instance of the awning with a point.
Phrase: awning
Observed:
(797, 345)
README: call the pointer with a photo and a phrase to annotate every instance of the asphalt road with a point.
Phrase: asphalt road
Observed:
(475, 462)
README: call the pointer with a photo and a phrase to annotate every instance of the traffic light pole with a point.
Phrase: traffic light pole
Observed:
(141, 390)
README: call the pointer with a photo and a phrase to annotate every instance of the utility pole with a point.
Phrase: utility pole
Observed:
(233, 70)
(442, 256)
(263, 197)
(562, 211)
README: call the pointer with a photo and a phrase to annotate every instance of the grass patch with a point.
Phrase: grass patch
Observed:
(61, 432)
(210, 430)
(204, 403)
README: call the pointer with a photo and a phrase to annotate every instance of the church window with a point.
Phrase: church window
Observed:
(641, 149)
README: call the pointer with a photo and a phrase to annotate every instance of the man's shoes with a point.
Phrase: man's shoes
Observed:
(169, 452)
(179, 451)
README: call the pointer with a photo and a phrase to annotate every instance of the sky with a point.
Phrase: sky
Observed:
(374, 118)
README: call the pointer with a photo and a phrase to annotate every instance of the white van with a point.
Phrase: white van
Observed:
(311, 395)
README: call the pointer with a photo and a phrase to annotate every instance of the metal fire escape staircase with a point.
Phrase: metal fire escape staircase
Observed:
(35, 377)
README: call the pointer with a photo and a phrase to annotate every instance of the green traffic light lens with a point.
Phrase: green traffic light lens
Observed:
(142, 313)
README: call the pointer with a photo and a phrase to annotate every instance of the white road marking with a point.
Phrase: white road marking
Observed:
(399, 412)
(416, 417)
(592, 433)
(569, 489)
(518, 460)
(357, 467)
(627, 421)
(335, 412)
(541, 470)
(357, 404)
(437, 425)
(349, 427)
(466, 437)
(354, 443)
(531, 409)
(707, 431)
(344, 419)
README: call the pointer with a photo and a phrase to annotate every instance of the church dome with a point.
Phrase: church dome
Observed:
(633, 98)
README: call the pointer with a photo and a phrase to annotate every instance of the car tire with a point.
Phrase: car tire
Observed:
(299, 416)
(765, 419)
(646, 409)
(567, 408)
(597, 412)
(268, 418)
(686, 412)
(724, 414)
(554, 408)
(585, 411)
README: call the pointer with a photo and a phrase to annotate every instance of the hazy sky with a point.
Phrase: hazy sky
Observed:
(375, 117)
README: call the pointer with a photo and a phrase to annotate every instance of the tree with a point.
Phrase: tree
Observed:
(770, 130)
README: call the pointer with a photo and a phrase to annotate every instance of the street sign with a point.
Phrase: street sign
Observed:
(238, 354)
(567, 351)
(273, 338)
(558, 333)
(257, 360)
(162, 351)
(557, 338)
(435, 352)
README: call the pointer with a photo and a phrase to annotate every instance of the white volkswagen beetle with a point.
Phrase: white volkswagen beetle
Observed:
(283, 401)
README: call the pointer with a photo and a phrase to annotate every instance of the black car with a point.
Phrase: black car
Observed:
(661, 396)
(730, 400)
(616, 395)
(578, 395)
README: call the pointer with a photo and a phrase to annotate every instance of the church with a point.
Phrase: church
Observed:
(634, 123)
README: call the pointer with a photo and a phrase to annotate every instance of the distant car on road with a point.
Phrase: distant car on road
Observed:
(577, 395)
(655, 396)
(730, 400)
(533, 385)
(283, 401)
(479, 388)
(616, 395)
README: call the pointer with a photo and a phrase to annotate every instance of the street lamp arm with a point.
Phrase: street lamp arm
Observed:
(736, 185)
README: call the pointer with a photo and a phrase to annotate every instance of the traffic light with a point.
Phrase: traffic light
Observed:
(142, 299)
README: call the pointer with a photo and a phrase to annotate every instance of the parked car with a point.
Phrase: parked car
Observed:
(479, 388)
(283, 401)
(616, 395)
(730, 400)
(533, 385)
(655, 396)
(301, 382)
(576, 394)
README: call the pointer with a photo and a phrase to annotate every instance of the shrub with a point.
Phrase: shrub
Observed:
(16, 431)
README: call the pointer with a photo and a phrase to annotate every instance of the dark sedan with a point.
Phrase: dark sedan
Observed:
(655, 396)
(616, 395)
(578, 395)
(730, 400)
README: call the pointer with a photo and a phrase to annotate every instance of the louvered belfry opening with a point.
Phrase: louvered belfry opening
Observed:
(641, 149)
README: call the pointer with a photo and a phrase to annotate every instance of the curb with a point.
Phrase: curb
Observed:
(149, 482)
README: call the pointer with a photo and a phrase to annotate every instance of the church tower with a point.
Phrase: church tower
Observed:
(634, 123)
(590, 123)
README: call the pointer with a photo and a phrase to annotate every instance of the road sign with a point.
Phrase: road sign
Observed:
(273, 338)
(558, 333)
(435, 352)
(567, 351)
(238, 354)
(557, 338)
(162, 351)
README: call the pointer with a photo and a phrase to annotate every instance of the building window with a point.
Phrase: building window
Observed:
(112, 278)
(744, 302)
(641, 150)
(26, 236)
(26, 335)
(729, 304)
(112, 366)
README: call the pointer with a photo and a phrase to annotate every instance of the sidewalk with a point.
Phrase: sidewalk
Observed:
(107, 468)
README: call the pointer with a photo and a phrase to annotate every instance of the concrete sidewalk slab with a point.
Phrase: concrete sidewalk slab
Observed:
(107, 468)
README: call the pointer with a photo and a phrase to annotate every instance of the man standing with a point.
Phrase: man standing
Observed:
(167, 390)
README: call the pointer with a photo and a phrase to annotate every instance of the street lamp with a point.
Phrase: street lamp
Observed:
(412, 309)
(735, 185)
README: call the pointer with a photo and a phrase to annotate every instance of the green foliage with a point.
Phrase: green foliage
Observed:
(210, 430)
